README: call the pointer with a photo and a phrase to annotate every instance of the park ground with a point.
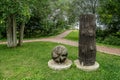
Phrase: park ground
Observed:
(29, 62)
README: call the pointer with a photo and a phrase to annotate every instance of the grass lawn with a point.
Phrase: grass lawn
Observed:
(74, 36)
(29, 62)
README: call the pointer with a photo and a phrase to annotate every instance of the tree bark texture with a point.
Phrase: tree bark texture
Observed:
(87, 43)
(21, 34)
(11, 31)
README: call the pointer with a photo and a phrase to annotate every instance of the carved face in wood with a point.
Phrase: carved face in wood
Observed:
(59, 54)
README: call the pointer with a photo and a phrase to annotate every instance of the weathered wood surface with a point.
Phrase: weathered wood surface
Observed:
(87, 43)
(59, 54)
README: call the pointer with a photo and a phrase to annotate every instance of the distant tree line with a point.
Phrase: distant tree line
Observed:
(36, 18)
(107, 14)
(31, 18)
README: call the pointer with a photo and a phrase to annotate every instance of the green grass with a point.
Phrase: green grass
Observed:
(112, 46)
(74, 36)
(29, 62)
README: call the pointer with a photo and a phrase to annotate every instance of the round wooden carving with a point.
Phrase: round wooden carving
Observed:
(59, 54)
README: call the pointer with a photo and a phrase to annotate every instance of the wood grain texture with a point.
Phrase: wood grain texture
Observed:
(87, 43)
(59, 54)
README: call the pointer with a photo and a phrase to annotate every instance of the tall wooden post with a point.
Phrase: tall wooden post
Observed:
(87, 43)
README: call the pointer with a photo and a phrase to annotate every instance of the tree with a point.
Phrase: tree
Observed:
(109, 14)
(10, 10)
(41, 17)
(60, 13)
(48, 17)
(79, 7)
(39, 23)
(23, 18)
(9, 15)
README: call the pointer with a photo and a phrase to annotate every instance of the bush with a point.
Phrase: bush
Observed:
(106, 37)
(99, 39)
(37, 27)
(112, 40)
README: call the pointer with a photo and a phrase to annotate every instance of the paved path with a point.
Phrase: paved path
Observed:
(60, 39)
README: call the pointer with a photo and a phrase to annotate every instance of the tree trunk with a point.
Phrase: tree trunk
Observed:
(11, 31)
(21, 34)
(87, 43)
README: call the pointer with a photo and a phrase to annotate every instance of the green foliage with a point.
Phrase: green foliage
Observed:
(29, 62)
(111, 40)
(47, 19)
(109, 14)
(35, 28)
(102, 33)
(2, 31)
(104, 36)
(42, 17)
(17, 7)
(118, 34)
(78, 7)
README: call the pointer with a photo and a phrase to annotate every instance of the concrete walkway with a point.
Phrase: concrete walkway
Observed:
(60, 39)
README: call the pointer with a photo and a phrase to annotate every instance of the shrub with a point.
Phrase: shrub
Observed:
(99, 39)
(106, 37)
(112, 40)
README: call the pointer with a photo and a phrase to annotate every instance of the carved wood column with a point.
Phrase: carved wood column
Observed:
(87, 42)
